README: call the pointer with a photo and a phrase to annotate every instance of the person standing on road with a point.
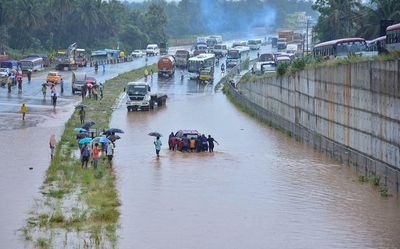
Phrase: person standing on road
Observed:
(29, 74)
(101, 91)
(19, 82)
(24, 110)
(82, 115)
(44, 90)
(52, 145)
(85, 155)
(54, 98)
(157, 145)
(62, 86)
(110, 152)
(211, 141)
(83, 91)
(9, 83)
(95, 155)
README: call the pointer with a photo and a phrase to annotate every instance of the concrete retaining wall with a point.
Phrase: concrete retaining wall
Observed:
(351, 112)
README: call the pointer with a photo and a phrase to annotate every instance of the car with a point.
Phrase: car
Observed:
(53, 77)
(91, 80)
(181, 133)
(137, 53)
(5, 72)
(78, 80)
(152, 49)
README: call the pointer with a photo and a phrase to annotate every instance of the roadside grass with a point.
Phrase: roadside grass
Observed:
(77, 199)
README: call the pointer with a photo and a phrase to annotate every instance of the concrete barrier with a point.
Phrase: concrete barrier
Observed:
(350, 112)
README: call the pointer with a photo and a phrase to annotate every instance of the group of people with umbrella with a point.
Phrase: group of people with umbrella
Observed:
(92, 147)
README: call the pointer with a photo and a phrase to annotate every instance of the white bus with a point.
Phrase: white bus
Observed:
(200, 61)
(237, 56)
(32, 63)
(254, 44)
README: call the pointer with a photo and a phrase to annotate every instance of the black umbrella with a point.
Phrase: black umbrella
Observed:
(155, 134)
(87, 125)
(113, 130)
(113, 138)
(80, 106)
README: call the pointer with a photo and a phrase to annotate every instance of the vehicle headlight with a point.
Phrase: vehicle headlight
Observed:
(145, 103)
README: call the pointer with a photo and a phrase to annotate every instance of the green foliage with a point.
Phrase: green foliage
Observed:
(363, 178)
(246, 64)
(298, 65)
(282, 68)
(376, 180)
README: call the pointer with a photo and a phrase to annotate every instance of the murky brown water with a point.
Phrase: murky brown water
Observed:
(260, 189)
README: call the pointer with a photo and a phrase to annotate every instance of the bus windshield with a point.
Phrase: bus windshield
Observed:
(233, 54)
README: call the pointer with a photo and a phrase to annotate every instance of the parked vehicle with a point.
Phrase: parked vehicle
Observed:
(33, 64)
(53, 77)
(237, 56)
(163, 48)
(182, 58)
(139, 97)
(152, 49)
(78, 80)
(198, 62)
(220, 50)
(254, 44)
(137, 53)
(166, 66)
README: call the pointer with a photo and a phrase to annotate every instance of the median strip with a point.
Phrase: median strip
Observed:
(79, 207)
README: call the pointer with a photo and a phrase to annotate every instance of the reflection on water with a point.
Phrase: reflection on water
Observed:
(260, 189)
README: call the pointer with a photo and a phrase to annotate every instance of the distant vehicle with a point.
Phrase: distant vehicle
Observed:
(53, 77)
(239, 44)
(286, 34)
(283, 59)
(166, 66)
(266, 57)
(377, 46)
(66, 59)
(45, 57)
(80, 57)
(200, 49)
(393, 38)
(291, 48)
(206, 74)
(274, 42)
(340, 48)
(211, 42)
(237, 56)
(182, 58)
(152, 49)
(163, 48)
(281, 44)
(188, 133)
(198, 62)
(260, 68)
(254, 44)
(33, 64)
(137, 53)
(201, 40)
(220, 50)
(4, 72)
(78, 80)
(139, 97)
(11, 64)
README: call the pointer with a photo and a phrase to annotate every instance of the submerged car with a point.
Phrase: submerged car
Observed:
(182, 133)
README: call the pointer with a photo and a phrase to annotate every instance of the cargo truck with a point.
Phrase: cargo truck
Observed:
(140, 98)
(166, 66)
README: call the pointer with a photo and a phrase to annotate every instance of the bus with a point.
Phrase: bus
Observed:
(377, 46)
(198, 62)
(239, 44)
(340, 48)
(33, 64)
(393, 38)
(254, 44)
(237, 56)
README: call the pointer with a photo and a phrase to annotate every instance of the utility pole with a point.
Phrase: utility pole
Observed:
(308, 24)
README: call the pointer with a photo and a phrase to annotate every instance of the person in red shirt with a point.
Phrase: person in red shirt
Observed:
(95, 155)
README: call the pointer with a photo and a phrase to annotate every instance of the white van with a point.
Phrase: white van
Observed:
(152, 49)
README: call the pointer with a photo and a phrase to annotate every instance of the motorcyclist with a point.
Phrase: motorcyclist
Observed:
(223, 67)
(217, 62)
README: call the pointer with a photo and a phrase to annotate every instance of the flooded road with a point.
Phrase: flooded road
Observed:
(260, 189)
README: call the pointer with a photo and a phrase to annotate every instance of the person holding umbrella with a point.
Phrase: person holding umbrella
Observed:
(157, 145)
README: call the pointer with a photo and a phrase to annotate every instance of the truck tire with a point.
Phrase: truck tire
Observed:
(73, 91)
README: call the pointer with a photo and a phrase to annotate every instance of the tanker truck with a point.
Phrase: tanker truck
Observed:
(166, 66)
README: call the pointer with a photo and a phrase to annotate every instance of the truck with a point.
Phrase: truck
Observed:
(66, 59)
(140, 98)
(282, 43)
(182, 58)
(287, 34)
(163, 48)
(166, 66)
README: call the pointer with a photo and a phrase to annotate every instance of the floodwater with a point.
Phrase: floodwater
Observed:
(260, 189)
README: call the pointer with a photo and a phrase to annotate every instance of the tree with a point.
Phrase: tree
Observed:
(155, 21)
